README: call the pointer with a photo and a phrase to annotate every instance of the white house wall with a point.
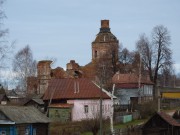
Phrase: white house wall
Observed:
(78, 112)
(124, 95)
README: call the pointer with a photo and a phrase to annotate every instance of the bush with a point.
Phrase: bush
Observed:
(148, 109)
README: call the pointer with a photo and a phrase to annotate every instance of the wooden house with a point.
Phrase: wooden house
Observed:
(15, 97)
(20, 120)
(37, 102)
(75, 99)
(161, 124)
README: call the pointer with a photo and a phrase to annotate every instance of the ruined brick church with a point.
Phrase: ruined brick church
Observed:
(104, 52)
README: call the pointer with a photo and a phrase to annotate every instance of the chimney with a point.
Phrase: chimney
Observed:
(104, 26)
(104, 23)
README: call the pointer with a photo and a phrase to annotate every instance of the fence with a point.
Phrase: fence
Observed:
(170, 103)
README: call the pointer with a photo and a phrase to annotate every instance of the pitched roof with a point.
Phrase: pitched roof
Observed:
(36, 100)
(21, 114)
(130, 78)
(168, 119)
(81, 88)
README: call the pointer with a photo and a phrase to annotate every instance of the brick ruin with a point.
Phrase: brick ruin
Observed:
(104, 49)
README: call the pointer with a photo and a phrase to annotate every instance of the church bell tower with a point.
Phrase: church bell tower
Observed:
(106, 45)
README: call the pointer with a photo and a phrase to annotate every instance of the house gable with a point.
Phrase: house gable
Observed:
(161, 123)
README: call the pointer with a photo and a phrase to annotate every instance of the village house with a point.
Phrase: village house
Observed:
(16, 97)
(20, 120)
(75, 100)
(162, 123)
(130, 89)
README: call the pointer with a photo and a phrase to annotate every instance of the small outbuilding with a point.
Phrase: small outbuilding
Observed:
(20, 120)
(161, 124)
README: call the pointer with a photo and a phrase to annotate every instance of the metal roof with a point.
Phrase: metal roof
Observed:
(168, 119)
(22, 114)
(130, 79)
(81, 88)
(60, 105)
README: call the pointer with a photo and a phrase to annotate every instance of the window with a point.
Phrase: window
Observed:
(86, 109)
(27, 131)
(102, 108)
(34, 131)
(95, 54)
(57, 113)
(3, 132)
(105, 106)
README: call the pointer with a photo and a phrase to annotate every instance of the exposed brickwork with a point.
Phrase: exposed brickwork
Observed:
(58, 73)
(104, 23)
(72, 65)
(104, 48)
(105, 45)
(32, 85)
(44, 75)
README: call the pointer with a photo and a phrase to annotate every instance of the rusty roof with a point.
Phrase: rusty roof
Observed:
(168, 119)
(130, 78)
(81, 88)
(128, 86)
(60, 105)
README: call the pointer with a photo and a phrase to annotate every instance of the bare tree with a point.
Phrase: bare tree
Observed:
(24, 65)
(126, 59)
(157, 54)
(4, 47)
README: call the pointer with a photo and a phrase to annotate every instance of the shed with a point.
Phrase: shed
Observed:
(161, 124)
(18, 120)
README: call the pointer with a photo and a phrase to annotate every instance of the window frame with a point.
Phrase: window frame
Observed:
(86, 109)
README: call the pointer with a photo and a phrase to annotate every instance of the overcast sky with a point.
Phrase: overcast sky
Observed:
(65, 29)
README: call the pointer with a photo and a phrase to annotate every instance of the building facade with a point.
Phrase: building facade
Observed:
(75, 100)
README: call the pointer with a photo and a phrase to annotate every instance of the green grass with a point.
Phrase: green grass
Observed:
(56, 127)
(87, 133)
(120, 126)
(132, 123)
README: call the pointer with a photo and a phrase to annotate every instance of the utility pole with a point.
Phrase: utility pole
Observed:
(100, 117)
(101, 87)
(112, 110)
(159, 99)
(139, 80)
